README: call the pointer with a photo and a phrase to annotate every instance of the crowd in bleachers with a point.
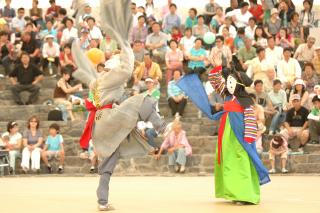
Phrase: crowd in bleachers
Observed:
(270, 41)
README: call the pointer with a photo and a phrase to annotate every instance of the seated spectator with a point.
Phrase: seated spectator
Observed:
(49, 31)
(174, 59)
(307, 17)
(176, 98)
(50, 53)
(200, 29)
(150, 9)
(176, 34)
(316, 61)
(251, 28)
(246, 53)
(272, 27)
(7, 12)
(36, 14)
(262, 98)
(232, 29)
(152, 91)
(197, 55)
(62, 90)
(139, 32)
(241, 16)
(296, 124)
(217, 20)
(220, 53)
(178, 147)
(192, 19)
(256, 10)
(288, 69)
(284, 39)
(239, 40)
(31, 46)
(135, 14)
(66, 58)
(138, 51)
(260, 68)
(278, 146)
(228, 40)
(234, 4)
(13, 142)
(25, 77)
(18, 23)
(299, 88)
(6, 52)
(274, 53)
(109, 46)
(69, 33)
(32, 141)
(305, 52)
(210, 10)
(147, 131)
(94, 31)
(314, 121)
(157, 42)
(260, 39)
(278, 99)
(84, 40)
(87, 12)
(296, 29)
(309, 77)
(171, 19)
(187, 42)
(147, 69)
(53, 148)
(52, 10)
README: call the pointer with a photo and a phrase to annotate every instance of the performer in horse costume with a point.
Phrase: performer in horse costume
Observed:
(239, 171)
(112, 121)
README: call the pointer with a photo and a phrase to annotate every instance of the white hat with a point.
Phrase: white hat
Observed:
(274, 11)
(149, 80)
(299, 81)
(49, 36)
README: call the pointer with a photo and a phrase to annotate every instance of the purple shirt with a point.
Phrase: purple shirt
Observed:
(172, 140)
(139, 34)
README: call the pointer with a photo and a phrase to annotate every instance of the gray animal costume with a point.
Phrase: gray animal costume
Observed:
(113, 133)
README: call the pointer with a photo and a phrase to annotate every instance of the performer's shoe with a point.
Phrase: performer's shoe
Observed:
(107, 207)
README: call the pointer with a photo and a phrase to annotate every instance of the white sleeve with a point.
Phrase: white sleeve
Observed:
(280, 73)
(208, 87)
(141, 125)
(44, 50)
(313, 117)
(298, 68)
(61, 139)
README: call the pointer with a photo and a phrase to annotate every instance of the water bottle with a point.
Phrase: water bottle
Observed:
(50, 68)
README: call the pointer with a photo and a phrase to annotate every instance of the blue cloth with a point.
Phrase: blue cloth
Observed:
(199, 52)
(193, 88)
(54, 143)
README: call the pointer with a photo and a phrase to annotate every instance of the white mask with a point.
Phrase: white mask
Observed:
(231, 84)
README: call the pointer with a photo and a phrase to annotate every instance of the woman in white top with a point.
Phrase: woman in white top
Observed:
(69, 33)
(187, 41)
(12, 140)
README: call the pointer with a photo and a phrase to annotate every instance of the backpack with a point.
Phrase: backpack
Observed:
(55, 115)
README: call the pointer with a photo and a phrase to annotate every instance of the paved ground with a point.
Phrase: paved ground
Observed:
(286, 194)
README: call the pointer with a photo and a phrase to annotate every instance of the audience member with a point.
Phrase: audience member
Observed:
(178, 147)
(220, 53)
(246, 53)
(296, 123)
(260, 39)
(52, 10)
(50, 53)
(200, 29)
(187, 42)
(274, 53)
(94, 31)
(307, 17)
(314, 121)
(66, 58)
(31, 46)
(278, 146)
(147, 130)
(192, 19)
(18, 22)
(7, 12)
(36, 14)
(256, 10)
(197, 55)
(13, 142)
(299, 88)
(273, 25)
(171, 19)
(109, 46)
(251, 28)
(309, 77)
(296, 29)
(174, 59)
(176, 98)
(25, 77)
(139, 32)
(284, 39)
(316, 61)
(69, 33)
(241, 16)
(305, 52)
(157, 42)
(32, 141)
(53, 148)
(6, 52)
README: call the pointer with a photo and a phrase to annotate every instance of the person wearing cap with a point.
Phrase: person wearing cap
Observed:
(268, 5)
(305, 52)
(152, 91)
(296, 123)
(84, 39)
(314, 121)
(13, 143)
(273, 26)
(288, 69)
(94, 31)
(50, 52)
(241, 16)
(316, 60)
(261, 68)
(147, 69)
(299, 87)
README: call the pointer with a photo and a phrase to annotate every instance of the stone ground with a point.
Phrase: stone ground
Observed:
(48, 194)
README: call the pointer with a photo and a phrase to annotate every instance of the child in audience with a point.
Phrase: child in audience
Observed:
(53, 148)
(278, 146)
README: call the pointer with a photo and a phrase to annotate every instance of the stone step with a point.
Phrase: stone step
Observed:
(48, 82)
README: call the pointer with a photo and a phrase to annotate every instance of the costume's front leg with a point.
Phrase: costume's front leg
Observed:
(106, 168)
